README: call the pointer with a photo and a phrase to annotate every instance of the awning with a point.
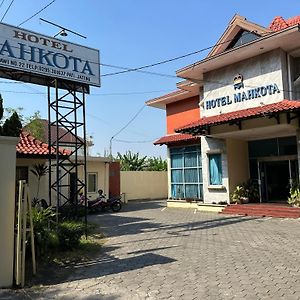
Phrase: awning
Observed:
(176, 138)
(202, 126)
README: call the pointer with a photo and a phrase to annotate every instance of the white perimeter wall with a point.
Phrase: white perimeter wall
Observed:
(144, 184)
(7, 208)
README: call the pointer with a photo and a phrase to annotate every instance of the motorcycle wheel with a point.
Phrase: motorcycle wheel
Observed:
(115, 207)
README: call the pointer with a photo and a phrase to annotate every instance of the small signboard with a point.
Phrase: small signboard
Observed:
(38, 58)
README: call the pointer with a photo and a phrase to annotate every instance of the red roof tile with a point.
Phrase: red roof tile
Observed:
(174, 138)
(31, 146)
(279, 23)
(283, 106)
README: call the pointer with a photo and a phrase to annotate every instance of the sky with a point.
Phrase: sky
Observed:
(131, 33)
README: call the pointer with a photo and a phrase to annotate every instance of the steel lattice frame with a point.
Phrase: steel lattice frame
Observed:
(66, 110)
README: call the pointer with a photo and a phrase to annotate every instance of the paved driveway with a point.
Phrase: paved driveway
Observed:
(161, 253)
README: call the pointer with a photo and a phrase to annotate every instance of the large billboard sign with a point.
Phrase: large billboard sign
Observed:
(38, 57)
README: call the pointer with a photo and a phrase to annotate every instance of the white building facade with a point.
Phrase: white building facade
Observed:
(248, 89)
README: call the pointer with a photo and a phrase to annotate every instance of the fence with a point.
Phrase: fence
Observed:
(144, 185)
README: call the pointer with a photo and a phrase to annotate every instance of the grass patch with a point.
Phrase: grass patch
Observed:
(57, 265)
(86, 250)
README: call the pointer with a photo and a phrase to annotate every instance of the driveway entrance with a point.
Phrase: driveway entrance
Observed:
(154, 252)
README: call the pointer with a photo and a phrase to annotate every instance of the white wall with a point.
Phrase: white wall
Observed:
(98, 167)
(32, 180)
(144, 184)
(214, 193)
(258, 71)
(7, 208)
(102, 171)
(238, 162)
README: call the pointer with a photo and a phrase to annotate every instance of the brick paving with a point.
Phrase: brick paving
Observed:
(155, 252)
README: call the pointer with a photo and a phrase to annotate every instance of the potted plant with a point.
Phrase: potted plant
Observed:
(245, 192)
(239, 195)
(252, 189)
(294, 198)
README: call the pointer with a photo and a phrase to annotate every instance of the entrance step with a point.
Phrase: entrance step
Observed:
(262, 210)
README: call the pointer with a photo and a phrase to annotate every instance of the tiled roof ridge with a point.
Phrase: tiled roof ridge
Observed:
(279, 23)
(33, 139)
(28, 144)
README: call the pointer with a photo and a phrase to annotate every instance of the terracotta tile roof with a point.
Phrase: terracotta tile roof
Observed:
(174, 138)
(29, 145)
(279, 23)
(255, 112)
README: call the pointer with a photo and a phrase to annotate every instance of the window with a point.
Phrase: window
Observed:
(242, 38)
(92, 183)
(215, 169)
(22, 173)
(186, 172)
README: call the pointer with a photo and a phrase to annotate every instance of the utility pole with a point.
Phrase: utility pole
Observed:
(110, 147)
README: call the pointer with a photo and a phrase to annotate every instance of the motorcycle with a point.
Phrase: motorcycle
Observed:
(101, 205)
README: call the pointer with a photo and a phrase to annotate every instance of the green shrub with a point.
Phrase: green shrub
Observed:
(69, 234)
(43, 226)
(53, 241)
(70, 212)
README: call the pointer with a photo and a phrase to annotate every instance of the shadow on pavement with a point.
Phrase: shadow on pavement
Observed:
(106, 264)
(122, 224)
(136, 205)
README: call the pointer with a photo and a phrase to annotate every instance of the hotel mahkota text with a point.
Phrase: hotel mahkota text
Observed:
(249, 94)
(42, 56)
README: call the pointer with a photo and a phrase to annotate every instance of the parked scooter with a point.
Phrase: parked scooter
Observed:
(102, 204)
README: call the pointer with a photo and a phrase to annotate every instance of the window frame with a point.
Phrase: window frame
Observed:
(96, 182)
(183, 150)
(211, 185)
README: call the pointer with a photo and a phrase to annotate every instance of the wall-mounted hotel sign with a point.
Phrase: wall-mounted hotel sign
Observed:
(244, 95)
(39, 56)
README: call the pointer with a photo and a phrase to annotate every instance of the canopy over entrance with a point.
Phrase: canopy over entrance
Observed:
(203, 126)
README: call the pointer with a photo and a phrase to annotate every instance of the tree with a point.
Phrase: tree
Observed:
(33, 124)
(12, 125)
(35, 127)
(39, 170)
(156, 164)
(132, 162)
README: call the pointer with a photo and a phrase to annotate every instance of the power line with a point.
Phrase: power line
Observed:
(20, 92)
(12, 1)
(1, 3)
(130, 121)
(126, 70)
(135, 142)
(124, 127)
(37, 13)
(131, 93)
(110, 124)
(140, 69)
(36, 92)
